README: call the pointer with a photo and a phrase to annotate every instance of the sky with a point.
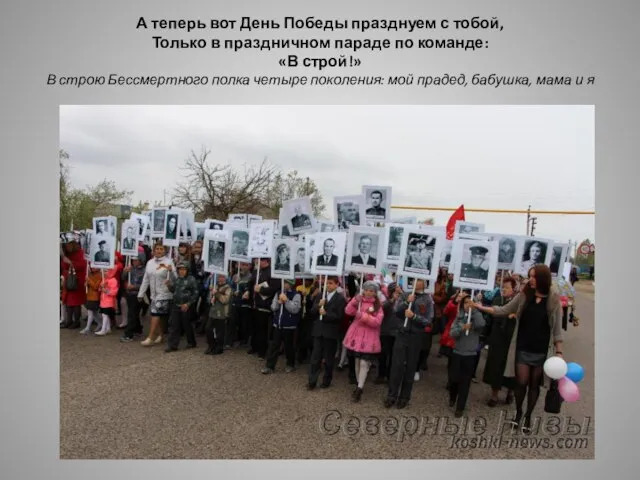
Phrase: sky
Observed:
(489, 157)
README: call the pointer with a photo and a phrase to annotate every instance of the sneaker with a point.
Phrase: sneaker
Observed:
(84, 331)
(147, 342)
(416, 376)
(266, 371)
(102, 333)
(289, 369)
(124, 339)
(158, 340)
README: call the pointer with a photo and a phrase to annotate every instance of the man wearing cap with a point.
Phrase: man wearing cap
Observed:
(102, 255)
(186, 292)
(474, 269)
(421, 258)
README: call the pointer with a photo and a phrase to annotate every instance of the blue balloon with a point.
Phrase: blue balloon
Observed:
(575, 372)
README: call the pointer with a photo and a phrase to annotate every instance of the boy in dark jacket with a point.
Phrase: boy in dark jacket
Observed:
(327, 314)
(418, 309)
(186, 292)
(261, 293)
(219, 312)
(388, 331)
(286, 308)
(132, 280)
(304, 340)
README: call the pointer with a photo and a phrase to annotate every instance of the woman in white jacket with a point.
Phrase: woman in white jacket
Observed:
(159, 273)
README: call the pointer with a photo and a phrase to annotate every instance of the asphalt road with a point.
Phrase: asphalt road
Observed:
(123, 401)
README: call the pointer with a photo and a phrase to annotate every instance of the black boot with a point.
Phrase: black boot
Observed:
(357, 394)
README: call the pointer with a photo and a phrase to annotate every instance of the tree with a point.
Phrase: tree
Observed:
(79, 206)
(217, 190)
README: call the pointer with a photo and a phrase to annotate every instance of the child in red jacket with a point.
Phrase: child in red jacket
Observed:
(447, 342)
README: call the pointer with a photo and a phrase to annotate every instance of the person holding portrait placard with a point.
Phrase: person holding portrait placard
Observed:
(262, 289)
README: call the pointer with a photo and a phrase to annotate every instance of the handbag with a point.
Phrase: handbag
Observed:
(71, 284)
(553, 399)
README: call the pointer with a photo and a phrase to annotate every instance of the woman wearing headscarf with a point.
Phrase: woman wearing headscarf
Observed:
(537, 313)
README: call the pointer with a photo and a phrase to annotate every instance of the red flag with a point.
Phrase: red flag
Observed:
(458, 215)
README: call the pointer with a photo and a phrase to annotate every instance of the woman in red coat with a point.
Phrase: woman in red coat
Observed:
(72, 259)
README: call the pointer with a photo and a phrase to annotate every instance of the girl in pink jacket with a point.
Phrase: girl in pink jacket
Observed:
(363, 337)
(108, 300)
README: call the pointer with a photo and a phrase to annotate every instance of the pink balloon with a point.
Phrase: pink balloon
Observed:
(568, 390)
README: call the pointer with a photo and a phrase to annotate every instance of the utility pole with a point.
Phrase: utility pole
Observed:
(534, 220)
(528, 219)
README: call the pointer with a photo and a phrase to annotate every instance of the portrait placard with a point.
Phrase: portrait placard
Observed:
(129, 238)
(476, 264)
(559, 256)
(393, 235)
(201, 227)
(328, 253)
(143, 225)
(105, 226)
(421, 252)
(364, 250)
(215, 252)
(349, 210)
(298, 215)
(103, 251)
(532, 251)
(239, 219)
(172, 222)
(283, 261)
(377, 203)
(239, 238)
(159, 216)
(213, 224)
(261, 239)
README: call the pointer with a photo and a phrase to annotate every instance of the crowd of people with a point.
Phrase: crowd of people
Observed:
(355, 322)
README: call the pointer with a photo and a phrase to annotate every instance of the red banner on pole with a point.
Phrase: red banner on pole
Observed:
(458, 215)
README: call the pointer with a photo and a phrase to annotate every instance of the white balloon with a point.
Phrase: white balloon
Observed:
(555, 368)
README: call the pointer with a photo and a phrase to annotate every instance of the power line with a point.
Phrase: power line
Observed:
(487, 210)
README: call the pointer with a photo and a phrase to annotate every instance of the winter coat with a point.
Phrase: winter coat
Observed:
(109, 294)
(390, 322)
(422, 309)
(240, 285)
(78, 296)
(133, 278)
(287, 316)
(517, 306)
(93, 286)
(185, 290)
(363, 335)
(155, 277)
(220, 301)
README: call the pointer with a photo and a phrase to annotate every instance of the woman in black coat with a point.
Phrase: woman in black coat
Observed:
(498, 341)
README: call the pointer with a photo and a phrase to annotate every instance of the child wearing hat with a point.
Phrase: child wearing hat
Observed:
(185, 295)
(363, 337)
(286, 306)
(215, 329)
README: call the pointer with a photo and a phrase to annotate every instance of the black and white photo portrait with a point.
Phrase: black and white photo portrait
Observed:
(558, 258)
(298, 215)
(143, 225)
(327, 227)
(364, 249)
(421, 252)
(159, 216)
(328, 255)
(506, 252)
(283, 261)
(103, 251)
(533, 252)
(393, 242)
(101, 226)
(469, 228)
(215, 252)
(129, 238)
(201, 227)
(239, 244)
(261, 239)
(238, 219)
(445, 258)
(309, 250)
(378, 202)
(349, 211)
(300, 259)
(475, 263)
(172, 226)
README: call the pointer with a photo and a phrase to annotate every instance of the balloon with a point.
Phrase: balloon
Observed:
(569, 391)
(555, 368)
(575, 372)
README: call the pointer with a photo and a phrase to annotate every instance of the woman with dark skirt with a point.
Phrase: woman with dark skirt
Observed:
(499, 340)
(537, 313)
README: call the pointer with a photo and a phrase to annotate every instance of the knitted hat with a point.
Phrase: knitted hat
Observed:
(290, 281)
(371, 286)
(184, 265)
